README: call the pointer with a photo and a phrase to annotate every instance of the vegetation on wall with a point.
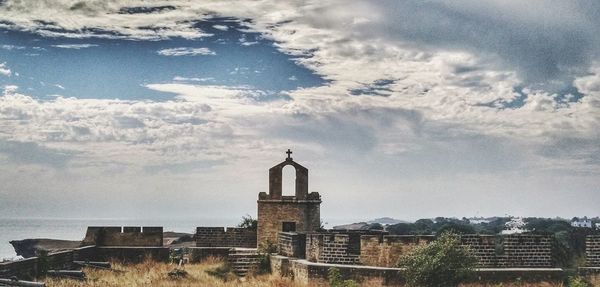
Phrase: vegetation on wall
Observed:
(248, 222)
(442, 263)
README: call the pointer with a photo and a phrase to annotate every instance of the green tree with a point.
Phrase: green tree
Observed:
(442, 263)
(248, 222)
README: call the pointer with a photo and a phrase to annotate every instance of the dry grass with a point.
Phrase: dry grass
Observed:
(518, 284)
(152, 273)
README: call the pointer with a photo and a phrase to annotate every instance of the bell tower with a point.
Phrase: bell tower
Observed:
(276, 212)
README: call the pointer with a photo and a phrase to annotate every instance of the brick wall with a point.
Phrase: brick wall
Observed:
(221, 237)
(123, 236)
(517, 250)
(592, 250)
(525, 250)
(292, 244)
(483, 247)
(386, 250)
(332, 248)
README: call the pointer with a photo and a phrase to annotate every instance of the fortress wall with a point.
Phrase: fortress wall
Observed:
(510, 251)
(525, 250)
(592, 250)
(292, 244)
(221, 237)
(332, 248)
(483, 247)
(386, 250)
(123, 236)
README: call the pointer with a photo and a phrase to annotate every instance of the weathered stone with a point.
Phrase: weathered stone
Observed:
(298, 213)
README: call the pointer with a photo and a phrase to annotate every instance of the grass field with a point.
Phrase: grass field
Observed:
(156, 274)
(152, 273)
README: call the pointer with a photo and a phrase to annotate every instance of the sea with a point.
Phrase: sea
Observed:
(74, 229)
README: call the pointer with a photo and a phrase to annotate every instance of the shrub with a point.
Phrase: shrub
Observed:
(335, 279)
(248, 222)
(264, 264)
(577, 281)
(442, 263)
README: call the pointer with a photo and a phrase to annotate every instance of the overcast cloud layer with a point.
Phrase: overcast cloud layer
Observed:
(430, 108)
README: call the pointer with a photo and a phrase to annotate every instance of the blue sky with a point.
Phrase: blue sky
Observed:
(407, 109)
(228, 55)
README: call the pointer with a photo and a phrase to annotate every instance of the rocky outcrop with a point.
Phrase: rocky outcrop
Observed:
(31, 247)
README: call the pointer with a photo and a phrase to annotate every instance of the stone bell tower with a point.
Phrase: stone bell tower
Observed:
(300, 212)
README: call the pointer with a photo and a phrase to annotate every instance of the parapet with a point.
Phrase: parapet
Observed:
(225, 237)
(123, 236)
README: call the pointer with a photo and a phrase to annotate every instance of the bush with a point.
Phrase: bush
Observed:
(577, 281)
(442, 263)
(264, 264)
(335, 279)
(248, 222)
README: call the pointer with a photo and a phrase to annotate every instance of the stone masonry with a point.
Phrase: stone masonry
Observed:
(386, 250)
(297, 213)
(332, 248)
(123, 236)
(221, 237)
(592, 250)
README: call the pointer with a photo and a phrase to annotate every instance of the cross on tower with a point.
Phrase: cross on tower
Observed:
(289, 153)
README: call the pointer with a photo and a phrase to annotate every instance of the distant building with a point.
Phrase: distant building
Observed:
(582, 223)
(597, 225)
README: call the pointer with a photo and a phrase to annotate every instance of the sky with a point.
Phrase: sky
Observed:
(407, 109)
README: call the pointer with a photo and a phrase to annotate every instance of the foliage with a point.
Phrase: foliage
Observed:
(248, 222)
(577, 281)
(267, 247)
(335, 279)
(264, 264)
(442, 263)
(375, 226)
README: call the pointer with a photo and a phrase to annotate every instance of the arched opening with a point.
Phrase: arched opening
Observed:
(288, 181)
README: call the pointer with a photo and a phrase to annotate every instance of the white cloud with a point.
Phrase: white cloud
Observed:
(186, 51)
(430, 127)
(4, 70)
(221, 27)
(74, 46)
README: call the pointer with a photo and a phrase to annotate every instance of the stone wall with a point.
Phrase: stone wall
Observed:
(30, 267)
(483, 247)
(316, 274)
(592, 250)
(386, 250)
(131, 254)
(123, 236)
(525, 250)
(273, 213)
(333, 248)
(292, 244)
(516, 250)
(221, 237)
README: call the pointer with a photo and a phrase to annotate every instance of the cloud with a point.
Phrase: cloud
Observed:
(4, 70)
(424, 102)
(74, 46)
(183, 51)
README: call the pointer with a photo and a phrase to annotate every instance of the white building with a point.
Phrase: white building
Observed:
(583, 223)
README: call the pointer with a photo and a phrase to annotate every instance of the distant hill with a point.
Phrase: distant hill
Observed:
(367, 225)
(387, 221)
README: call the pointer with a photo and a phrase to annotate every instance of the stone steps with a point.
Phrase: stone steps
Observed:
(243, 260)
